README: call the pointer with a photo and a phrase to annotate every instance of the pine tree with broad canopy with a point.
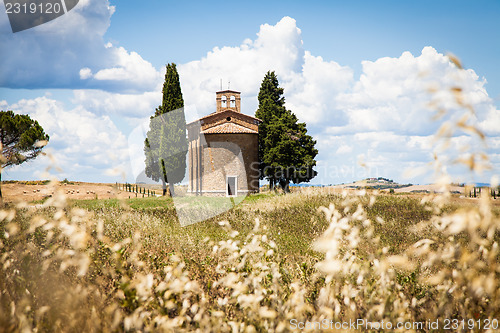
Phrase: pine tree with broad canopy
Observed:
(21, 139)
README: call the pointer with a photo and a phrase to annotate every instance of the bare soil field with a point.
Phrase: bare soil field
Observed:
(15, 192)
(419, 191)
(431, 188)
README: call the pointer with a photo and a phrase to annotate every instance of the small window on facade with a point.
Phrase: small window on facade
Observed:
(228, 118)
(231, 186)
(233, 102)
(224, 101)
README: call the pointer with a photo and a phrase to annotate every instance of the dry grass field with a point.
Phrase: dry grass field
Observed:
(317, 256)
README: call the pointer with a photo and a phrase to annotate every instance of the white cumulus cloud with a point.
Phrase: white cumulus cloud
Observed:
(309, 82)
(65, 52)
(83, 144)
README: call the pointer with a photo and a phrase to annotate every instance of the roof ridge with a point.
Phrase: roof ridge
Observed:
(221, 112)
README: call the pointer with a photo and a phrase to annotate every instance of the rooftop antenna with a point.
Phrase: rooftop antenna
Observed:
(228, 84)
(220, 84)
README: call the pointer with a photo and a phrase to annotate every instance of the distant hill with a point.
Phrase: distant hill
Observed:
(379, 183)
(309, 185)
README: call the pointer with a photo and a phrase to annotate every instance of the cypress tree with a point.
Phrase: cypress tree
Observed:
(271, 106)
(286, 151)
(165, 146)
(269, 89)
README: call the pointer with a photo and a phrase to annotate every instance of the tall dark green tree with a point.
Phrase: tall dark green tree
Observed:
(271, 105)
(286, 151)
(165, 146)
(22, 139)
(269, 89)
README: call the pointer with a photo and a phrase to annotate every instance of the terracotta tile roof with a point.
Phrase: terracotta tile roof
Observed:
(228, 128)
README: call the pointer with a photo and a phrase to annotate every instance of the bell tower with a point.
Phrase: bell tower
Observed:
(228, 100)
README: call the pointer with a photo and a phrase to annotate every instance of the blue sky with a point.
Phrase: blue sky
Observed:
(352, 70)
(345, 31)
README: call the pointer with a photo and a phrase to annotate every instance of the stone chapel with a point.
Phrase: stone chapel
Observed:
(224, 150)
